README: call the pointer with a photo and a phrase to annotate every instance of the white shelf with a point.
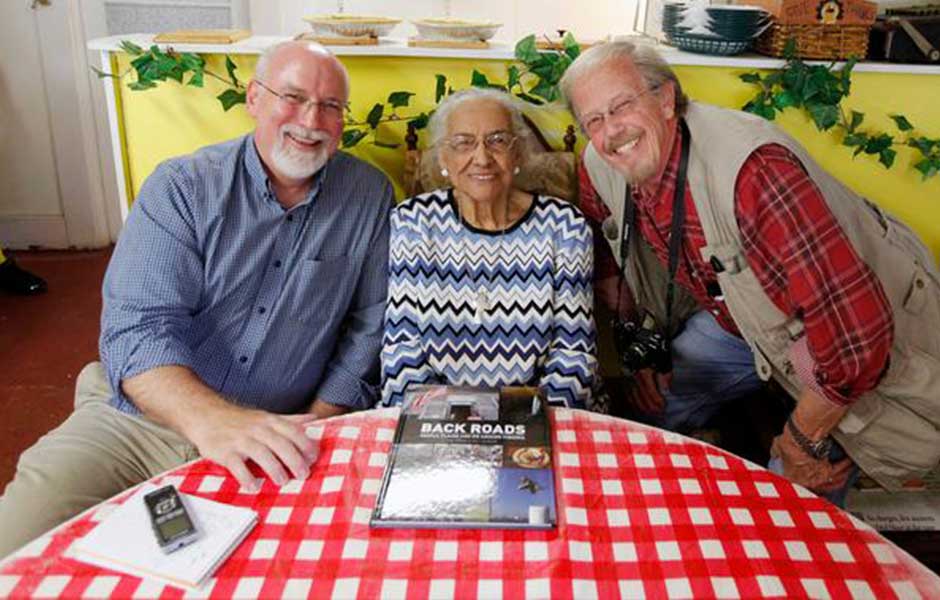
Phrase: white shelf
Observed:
(497, 51)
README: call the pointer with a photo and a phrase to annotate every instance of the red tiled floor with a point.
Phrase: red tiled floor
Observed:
(44, 342)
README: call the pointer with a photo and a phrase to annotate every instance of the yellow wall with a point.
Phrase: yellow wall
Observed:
(169, 121)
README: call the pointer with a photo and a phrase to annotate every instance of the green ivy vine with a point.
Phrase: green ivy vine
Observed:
(534, 80)
(820, 90)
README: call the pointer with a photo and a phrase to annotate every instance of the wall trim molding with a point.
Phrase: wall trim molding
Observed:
(22, 232)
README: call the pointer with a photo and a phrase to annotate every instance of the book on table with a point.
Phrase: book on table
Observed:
(467, 457)
(124, 541)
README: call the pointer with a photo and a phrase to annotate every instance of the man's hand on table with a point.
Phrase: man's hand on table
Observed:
(231, 436)
(222, 432)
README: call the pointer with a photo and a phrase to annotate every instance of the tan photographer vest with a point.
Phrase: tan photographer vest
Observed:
(892, 432)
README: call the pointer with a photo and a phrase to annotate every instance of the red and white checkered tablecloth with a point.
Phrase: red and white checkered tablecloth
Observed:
(642, 513)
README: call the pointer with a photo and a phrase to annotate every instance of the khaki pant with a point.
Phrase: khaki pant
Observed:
(96, 453)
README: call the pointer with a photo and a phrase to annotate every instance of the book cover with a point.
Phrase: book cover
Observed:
(468, 457)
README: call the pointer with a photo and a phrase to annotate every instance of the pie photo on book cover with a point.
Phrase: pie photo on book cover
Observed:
(469, 457)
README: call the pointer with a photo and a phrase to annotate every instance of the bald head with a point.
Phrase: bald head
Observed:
(277, 56)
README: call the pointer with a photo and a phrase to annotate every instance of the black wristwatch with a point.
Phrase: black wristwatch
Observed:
(818, 449)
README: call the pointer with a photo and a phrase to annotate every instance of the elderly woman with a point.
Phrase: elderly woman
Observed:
(488, 284)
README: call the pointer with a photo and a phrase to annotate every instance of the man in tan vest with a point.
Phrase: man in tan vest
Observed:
(779, 271)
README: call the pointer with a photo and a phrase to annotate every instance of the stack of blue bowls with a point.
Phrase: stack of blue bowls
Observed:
(733, 28)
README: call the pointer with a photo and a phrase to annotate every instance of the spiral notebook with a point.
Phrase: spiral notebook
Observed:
(125, 542)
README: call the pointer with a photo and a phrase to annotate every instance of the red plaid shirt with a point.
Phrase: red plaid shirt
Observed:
(798, 252)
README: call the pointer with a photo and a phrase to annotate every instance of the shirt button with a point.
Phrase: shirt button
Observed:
(261, 310)
(243, 359)
(277, 264)
(290, 217)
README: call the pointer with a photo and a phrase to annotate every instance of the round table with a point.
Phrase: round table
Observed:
(643, 513)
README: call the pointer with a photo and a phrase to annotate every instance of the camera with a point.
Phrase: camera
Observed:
(641, 346)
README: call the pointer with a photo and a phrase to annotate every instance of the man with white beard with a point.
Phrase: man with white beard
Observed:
(244, 299)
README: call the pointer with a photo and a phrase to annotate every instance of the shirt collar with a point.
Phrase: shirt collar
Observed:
(262, 183)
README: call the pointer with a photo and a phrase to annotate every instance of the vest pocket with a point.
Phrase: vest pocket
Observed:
(893, 432)
(916, 295)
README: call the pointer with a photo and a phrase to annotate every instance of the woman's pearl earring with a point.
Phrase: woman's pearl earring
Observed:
(516, 171)
(445, 172)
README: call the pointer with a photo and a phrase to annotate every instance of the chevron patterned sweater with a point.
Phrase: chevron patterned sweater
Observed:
(472, 307)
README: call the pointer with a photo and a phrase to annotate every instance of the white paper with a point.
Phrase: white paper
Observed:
(124, 541)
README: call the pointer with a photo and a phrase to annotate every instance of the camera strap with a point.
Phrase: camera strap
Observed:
(678, 221)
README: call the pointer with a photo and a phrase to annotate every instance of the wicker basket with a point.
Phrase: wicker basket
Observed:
(816, 41)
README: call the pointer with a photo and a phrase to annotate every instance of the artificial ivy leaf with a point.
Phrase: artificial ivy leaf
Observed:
(857, 119)
(149, 72)
(191, 61)
(878, 143)
(526, 51)
(375, 115)
(811, 88)
(902, 122)
(530, 99)
(138, 86)
(571, 46)
(513, 76)
(886, 157)
(230, 67)
(789, 49)
(397, 99)
(750, 77)
(478, 79)
(545, 90)
(440, 88)
(131, 47)
(351, 137)
(855, 139)
(141, 61)
(924, 145)
(767, 111)
(847, 74)
(775, 78)
(421, 121)
(381, 144)
(928, 168)
(230, 98)
(196, 79)
(544, 69)
(783, 100)
(176, 73)
(559, 68)
(824, 115)
(858, 151)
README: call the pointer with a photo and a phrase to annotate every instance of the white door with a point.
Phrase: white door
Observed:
(50, 194)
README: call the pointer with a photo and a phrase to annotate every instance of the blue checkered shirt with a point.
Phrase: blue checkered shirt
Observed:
(272, 308)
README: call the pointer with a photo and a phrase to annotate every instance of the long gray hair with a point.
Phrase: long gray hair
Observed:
(652, 67)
